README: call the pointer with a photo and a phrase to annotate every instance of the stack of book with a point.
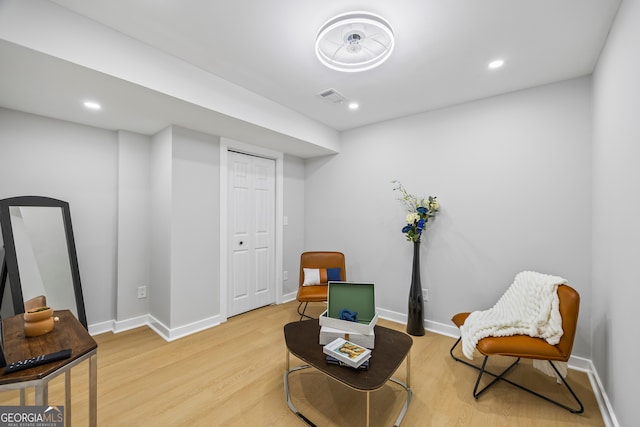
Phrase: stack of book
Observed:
(347, 353)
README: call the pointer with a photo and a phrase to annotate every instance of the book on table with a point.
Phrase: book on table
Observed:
(333, 361)
(347, 352)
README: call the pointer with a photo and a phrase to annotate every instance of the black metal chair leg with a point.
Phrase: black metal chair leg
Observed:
(564, 381)
(301, 313)
(497, 377)
(500, 377)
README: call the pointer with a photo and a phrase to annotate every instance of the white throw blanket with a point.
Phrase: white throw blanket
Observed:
(529, 307)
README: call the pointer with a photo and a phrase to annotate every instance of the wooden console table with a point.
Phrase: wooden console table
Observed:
(68, 333)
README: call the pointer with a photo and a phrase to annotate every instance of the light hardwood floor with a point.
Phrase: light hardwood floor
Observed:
(232, 375)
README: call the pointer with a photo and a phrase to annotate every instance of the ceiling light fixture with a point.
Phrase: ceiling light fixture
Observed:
(496, 64)
(92, 105)
(354, 105)
(354, 41)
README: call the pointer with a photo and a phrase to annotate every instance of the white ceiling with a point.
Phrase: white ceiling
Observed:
(440, 59)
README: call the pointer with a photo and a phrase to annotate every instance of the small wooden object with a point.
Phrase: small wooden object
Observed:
(38, 321)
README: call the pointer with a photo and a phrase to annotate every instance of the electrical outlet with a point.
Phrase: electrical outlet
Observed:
(142, 291)
(285, 275)
(425, 294)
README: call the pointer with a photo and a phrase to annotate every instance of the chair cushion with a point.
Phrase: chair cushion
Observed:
(515, 346)
(520, 346)
(317, 293)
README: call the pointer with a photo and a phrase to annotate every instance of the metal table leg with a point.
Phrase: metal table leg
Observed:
(93, 390)
(67, 398)
(289, 370)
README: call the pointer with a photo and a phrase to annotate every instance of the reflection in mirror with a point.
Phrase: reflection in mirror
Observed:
(41, 248)
(40, 254)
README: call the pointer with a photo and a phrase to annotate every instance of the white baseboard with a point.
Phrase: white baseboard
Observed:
(101, 328)
(608, 416)
(157, 326)
(170, 334)
(117, 326)
(135, 322)
(289, 297)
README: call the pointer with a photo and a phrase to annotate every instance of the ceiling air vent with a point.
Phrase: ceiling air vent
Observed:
(332, 96)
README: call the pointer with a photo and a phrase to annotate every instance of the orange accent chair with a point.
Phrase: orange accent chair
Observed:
(524, 346)
(317, 292)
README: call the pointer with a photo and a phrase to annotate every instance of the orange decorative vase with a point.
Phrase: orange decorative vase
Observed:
(38, 321)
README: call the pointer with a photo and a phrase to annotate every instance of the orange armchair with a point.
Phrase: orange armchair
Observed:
(317, 292)
(523, 346)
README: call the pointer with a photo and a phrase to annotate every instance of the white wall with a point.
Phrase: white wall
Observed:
(161, 217)
(195, 227)
(185, 238)
(78, 164)
(134, 211)
(294, 190)
(616, 207)
(512, 174)
(146, 211)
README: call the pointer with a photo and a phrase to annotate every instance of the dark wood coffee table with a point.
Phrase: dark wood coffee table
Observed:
(391, 348)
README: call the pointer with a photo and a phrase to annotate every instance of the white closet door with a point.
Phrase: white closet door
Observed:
(251, 228)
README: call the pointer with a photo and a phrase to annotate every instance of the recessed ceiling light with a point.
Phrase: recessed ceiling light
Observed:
(354, 41)
(354, 105)
(91, 105)
(496, 64)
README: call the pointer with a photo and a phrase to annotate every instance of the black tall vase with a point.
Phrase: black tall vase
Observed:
(415, 318)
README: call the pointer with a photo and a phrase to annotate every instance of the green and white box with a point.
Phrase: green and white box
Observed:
(355, 297)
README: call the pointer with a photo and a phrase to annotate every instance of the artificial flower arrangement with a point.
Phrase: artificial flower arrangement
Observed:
(420, 210)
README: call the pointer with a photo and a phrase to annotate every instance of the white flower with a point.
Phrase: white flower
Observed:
(420, 210)
(412, 217)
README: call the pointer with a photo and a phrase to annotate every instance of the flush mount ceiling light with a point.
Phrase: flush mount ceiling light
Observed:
(496, 64)
(91, 105)
(354, 41)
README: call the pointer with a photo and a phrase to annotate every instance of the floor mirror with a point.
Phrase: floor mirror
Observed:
(39, 255)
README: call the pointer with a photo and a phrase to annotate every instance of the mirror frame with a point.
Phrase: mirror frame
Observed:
(11, 259)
